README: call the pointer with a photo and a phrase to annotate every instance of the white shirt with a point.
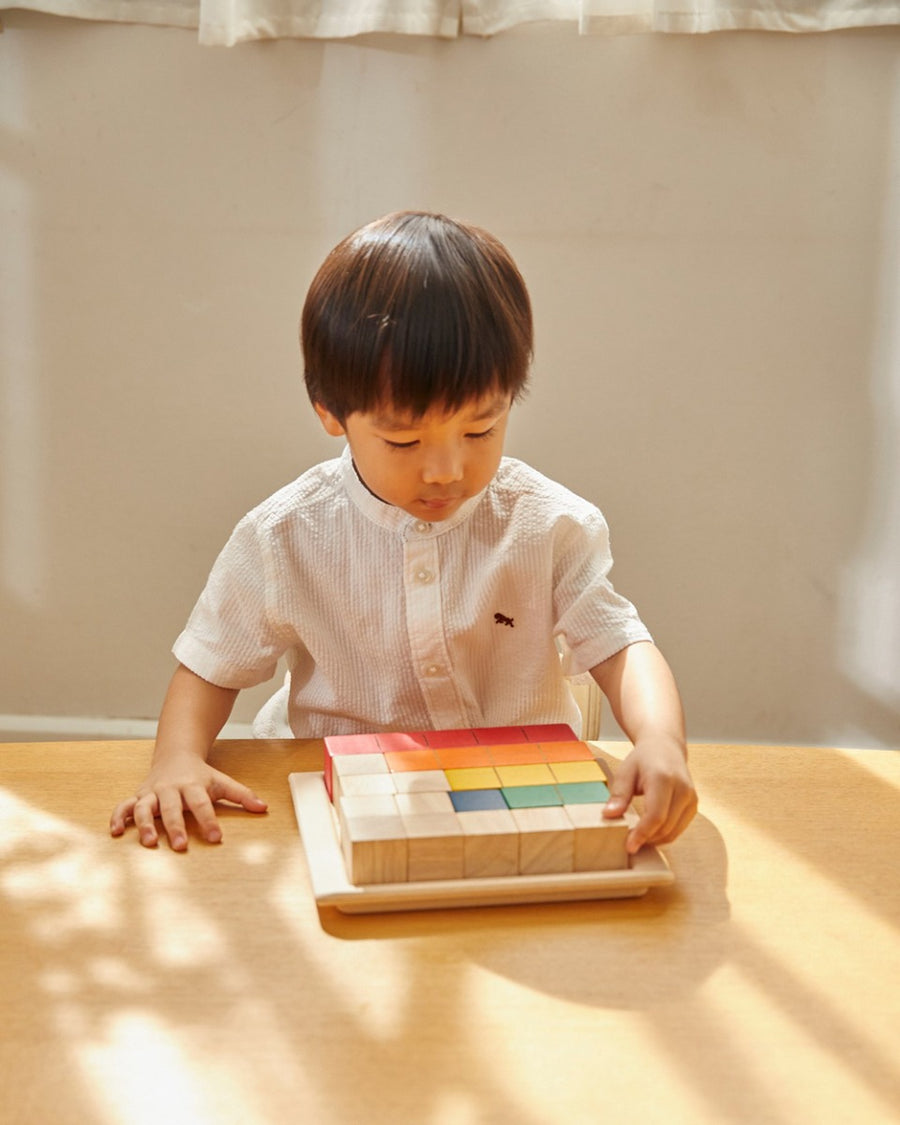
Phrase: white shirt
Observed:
(392, 623)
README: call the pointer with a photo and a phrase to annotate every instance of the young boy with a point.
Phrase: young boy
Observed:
(421, 580)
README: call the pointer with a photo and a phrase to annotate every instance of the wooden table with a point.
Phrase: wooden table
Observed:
(762, 986)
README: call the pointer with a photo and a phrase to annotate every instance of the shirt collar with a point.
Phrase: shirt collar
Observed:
(391, 517)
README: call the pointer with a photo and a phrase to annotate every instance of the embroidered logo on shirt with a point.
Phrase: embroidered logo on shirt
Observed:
(502, 619)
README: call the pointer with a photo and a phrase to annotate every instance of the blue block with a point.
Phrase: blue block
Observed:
(476, 800)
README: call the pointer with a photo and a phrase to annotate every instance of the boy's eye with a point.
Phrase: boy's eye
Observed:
(400, 444)
(483, 434)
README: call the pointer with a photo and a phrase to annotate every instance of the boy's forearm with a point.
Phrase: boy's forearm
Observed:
(192, 715)
(642, 693)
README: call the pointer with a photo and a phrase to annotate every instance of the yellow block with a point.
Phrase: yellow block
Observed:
(473, 777)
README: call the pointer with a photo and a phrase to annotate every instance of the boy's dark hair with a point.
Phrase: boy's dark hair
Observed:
(413, 311)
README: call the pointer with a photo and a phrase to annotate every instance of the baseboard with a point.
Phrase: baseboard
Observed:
(77, 728)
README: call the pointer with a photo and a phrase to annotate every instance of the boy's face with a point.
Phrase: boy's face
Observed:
(427, 466)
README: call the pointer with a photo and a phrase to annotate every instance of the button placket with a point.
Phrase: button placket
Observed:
(425, 627)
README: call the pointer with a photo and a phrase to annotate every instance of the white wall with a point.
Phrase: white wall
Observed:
(709, 227)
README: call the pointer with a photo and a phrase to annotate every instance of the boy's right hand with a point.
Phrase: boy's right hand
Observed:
(184, 783)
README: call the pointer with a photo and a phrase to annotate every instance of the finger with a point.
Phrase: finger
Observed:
(171, 813)
(687, 814)
(121, 814)
(621, 790)
(144, 815)
(652, 822)
(225, 788)
(201, 805)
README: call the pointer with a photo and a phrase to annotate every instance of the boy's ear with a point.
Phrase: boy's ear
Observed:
(332, 425)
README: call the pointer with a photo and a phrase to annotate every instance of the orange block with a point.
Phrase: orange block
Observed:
(402, 761)
(565, 751)
(464, 757)
(517, 754)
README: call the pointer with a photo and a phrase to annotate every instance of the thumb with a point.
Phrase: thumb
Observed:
(621, 789)
(227, 789)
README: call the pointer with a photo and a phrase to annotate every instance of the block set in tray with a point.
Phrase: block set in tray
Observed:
(469, 804)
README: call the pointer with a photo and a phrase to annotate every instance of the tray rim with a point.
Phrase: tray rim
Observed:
(331, 887)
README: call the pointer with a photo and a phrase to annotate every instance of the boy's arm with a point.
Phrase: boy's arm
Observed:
(193, 713)
(644, 699)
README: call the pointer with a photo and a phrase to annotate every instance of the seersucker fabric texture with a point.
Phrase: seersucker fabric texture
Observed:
(387, 622)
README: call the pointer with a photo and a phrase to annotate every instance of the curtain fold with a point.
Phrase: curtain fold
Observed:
(227, 22)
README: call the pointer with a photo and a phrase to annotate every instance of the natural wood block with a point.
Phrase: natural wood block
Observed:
(374, 847)
(368, 804)
(362, 785)
(546, 841)
(421, 781)
(599, 841)
(346, 764)
(339, 745)
(424, 804)
(434, 847)
(490, 843)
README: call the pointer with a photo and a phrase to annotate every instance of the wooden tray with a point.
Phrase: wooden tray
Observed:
(331, 887)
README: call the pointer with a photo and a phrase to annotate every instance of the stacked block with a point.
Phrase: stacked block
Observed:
(469, 804)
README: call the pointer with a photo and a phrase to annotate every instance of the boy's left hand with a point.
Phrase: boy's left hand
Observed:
(657, 770)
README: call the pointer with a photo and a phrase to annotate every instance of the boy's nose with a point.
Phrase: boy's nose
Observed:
(442, 466)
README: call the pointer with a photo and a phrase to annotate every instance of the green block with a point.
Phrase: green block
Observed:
(531, 796)
(583, 793)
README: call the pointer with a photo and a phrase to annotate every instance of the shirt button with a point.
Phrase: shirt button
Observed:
(423, 526)
(424, 575)
(433, 670)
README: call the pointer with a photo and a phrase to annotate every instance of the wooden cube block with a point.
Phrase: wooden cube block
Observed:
(423, 804)
(577, 771)
(490, 843)
(434, 847)
(493, 736)
(478, 777)
(402, 760)
(532, 796)
(566, 752)
(362, 784)
(461, 757)
(374, 846)
(550, 732)
(516, 754)
(339, 745)
(421, 781)
(537, 774)
(439, 738)
(599, 842)
(402, 740)
(346, 765)
(546, 841)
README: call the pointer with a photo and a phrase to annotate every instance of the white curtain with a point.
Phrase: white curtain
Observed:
(226, 22)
